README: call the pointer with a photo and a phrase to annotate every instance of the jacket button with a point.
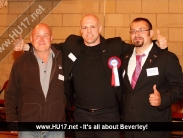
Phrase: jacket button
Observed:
(130, 107)
(132, 93)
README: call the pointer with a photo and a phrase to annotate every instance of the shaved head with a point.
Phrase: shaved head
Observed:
(90, 29)
(90, 16)
(41, 25)
(41, 38)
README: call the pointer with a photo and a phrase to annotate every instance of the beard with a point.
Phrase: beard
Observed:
(138, 43)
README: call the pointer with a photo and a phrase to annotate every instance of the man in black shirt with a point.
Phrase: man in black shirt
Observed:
(87, 59)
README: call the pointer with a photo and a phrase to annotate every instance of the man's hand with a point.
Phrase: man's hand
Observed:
(155, 97)
(18, 44)
(161, 41)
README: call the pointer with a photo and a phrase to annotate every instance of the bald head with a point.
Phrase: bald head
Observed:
(40, 27)
(90, 17)
(90, 30)
(41, 38)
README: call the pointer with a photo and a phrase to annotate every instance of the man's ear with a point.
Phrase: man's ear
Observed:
(80, 30)
(100, 29)
(151, 33)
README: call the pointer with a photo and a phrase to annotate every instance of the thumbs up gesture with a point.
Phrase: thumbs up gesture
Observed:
(155, 97)
(161, 41)
(18, 44)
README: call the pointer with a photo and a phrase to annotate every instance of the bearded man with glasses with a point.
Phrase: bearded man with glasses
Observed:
(153, 81)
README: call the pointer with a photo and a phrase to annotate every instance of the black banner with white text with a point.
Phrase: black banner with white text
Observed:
(102, 126)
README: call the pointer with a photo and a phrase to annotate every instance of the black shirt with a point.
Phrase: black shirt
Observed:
(92, 88)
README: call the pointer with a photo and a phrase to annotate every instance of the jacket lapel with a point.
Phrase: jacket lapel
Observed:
(73, 52)
(126, 59)
(105, 58)
(103, 48)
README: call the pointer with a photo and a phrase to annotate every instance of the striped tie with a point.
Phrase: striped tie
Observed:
(137, 70)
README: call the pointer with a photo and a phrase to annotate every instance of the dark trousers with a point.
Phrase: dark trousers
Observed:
(103, 115)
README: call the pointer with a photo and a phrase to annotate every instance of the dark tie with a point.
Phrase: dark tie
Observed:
(137, 70)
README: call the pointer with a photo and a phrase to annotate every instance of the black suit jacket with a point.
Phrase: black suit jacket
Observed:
(169, 83)
(109, 48)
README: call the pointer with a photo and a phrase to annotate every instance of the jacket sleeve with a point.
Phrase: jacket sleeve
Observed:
(126, 47)
(11, 97)
(174, 76)
(57, 46)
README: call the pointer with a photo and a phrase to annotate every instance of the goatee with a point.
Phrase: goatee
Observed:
(138, 44)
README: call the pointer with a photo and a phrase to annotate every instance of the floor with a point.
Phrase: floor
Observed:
(69, 134)
(7, 135)
(14, 135)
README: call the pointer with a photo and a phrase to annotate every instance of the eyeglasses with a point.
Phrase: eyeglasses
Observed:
(140, 31)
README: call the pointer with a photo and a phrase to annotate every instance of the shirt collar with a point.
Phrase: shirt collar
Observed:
(51, 53)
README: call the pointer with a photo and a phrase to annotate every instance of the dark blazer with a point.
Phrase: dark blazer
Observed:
(169, 83)
(109, 48)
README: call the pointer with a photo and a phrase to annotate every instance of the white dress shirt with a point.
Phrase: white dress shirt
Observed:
(132, 61)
